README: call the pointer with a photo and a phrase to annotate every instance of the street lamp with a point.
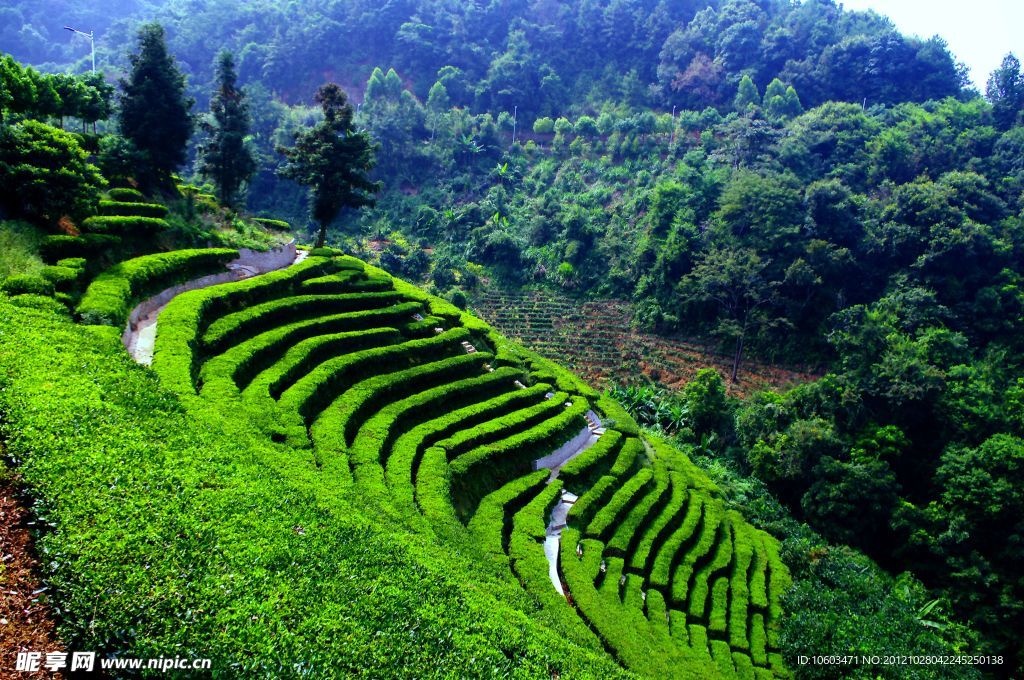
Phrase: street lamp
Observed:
(92, 42)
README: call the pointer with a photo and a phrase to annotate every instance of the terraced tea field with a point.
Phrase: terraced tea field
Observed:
(436, 421)
(595, 339)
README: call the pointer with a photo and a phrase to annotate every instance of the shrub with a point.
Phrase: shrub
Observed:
(486, 467)
(621, 502)
(374, 438)
(458, 298)
(40, 302)
(492, 523)
(589, 466)
(45, 173)
(62, 278)
(588, 503)
(326, 252)
(310, 395)
(306, 340)
(661, 566)
(124, 225)
(345, 281)
(543, 126)
(27, 284)
(111, 295)
(188, 315)
(631, 529)
(224, 375)
(164, 509)
(624, 630)
(276, 225)
(72, 262)
(661, 527)
(369, 395)
(86, 246)
(240, 326)
(708, 534)
(503, 427)
(127, 209)
(405, 455)
(126, 194)
(529, 562)
(707, 568)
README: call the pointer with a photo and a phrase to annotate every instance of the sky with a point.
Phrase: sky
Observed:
(979, 32)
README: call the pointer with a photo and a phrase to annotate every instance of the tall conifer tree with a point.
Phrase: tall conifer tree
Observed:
(225, 158)
(155, 113)
(333, 160)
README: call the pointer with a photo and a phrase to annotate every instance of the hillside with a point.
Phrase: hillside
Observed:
(623, 338)
(334, 405)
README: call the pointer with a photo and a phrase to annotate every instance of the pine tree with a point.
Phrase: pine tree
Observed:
(332, 159)
(747, 95)
(225, 158)
(1005, 90)
(155, 113)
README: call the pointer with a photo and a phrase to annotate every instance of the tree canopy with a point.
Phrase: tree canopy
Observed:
(332, 159)
(155, 113)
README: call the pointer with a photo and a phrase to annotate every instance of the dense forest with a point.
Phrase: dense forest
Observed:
(790, 180)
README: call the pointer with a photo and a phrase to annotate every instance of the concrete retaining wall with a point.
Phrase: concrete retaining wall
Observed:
(254, 260)
(275, 258)
(563, 452)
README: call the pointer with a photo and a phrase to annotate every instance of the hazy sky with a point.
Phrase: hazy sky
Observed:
(979, 32)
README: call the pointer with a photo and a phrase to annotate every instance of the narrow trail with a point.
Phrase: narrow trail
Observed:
(553, 539)
(140, 333)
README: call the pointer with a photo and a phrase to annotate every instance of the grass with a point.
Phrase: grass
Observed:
(19, 248)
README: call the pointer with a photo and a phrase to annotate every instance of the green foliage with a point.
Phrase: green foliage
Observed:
(176, 469)
(126, 195)
(27, 284)
(225, 157)
(63, 278)
(1005, 90)
(112, 294)
(19, 248)
(124, 225)
(747, 95)
(543, 126)
(86, 246)
(332, 159)
(125, 209)
(277, 225)
(45, 174)
(154, 113)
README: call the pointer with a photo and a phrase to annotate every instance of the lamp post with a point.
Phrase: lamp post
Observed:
(92, 43)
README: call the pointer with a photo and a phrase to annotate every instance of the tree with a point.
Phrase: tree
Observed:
(45, 174)
(332, 159)
(734, 282)
(1005, 89)
(747, 95)
(224, 157)
(155, 113)
(781, 101)
(17, 91)
(438, 104)
(98, 100)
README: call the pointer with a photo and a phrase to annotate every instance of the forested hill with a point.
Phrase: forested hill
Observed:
(795, 181)
(543, 56)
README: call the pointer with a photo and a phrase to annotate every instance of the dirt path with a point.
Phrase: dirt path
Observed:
(27, 623)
